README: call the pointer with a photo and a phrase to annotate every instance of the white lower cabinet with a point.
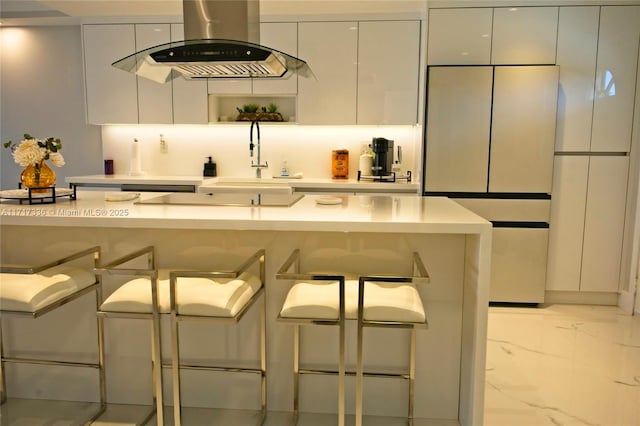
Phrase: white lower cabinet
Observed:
(587, 222)
(518, 264)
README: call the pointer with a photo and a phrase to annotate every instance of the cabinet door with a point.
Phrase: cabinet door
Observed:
(577, 48)
(388, 82)
(331, 50)
(189, 96)
(282, 37)
(518, 265)
(566, 229)
(604, 223)
(154, 99)
(457, 155)
(523, 129)
(524, 35)
(615, 78)
(111, 94)
(459, 36)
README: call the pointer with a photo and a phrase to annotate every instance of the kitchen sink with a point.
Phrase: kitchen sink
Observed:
(239, 181)
(225, 199)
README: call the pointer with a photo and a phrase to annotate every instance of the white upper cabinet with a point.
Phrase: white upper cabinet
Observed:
(111, 94)
(459, 36)
(615, 78)
(154, 99)
(331, 50)
(189, 96)
(524, 35)
(576, 57)
(388, 70)
(282, 37)
(523, 129)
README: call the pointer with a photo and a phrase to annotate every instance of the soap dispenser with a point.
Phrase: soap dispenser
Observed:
(209, 168)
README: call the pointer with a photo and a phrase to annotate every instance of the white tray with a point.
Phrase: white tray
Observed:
(23, 194)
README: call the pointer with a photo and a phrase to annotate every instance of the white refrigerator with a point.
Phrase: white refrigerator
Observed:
(489, 144)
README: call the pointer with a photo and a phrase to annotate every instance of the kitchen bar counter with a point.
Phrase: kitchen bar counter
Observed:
(206, 184)
(363, 234)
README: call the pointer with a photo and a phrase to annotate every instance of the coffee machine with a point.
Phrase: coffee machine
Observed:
(383, 161)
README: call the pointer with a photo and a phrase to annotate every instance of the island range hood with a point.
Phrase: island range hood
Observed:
(221, 41)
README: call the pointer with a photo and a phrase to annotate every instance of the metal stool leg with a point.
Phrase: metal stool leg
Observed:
(296, 372)
(156, 360)
(101, 352)
(175, 367)
(342, 363)
(263, 356)
(359, 360)
(3, 384)
(412, 375)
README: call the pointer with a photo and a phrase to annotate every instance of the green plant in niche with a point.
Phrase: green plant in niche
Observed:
(273, 107)
(250, 108)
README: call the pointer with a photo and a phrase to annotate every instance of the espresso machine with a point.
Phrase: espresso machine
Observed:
(383, 157)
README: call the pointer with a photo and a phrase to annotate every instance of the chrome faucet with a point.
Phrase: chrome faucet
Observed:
(257, 166)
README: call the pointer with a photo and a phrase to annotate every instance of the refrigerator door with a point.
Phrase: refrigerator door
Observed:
(458, 128)
(523, 129)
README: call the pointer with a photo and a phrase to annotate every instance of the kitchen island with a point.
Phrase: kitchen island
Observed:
(361, 234)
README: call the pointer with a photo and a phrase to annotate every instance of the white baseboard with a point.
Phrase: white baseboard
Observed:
(581, 298)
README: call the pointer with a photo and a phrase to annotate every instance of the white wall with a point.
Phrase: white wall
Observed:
(42, 93)
(307, 149)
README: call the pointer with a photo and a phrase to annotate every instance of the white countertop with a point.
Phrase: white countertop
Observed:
(209, 183)
(357, 213)
(142, 179)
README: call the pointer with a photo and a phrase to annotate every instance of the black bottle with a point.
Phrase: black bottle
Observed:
(209, 168)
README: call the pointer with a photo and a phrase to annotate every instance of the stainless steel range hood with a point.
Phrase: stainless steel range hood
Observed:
(221, 41)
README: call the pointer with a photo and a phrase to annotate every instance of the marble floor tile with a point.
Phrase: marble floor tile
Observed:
(562, 365)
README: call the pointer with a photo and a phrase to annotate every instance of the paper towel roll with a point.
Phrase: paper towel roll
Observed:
(135, 165)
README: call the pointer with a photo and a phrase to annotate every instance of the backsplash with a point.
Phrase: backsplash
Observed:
(307, 149)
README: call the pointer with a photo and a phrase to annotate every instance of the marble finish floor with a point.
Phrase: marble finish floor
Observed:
(562, 365)
(557, 365)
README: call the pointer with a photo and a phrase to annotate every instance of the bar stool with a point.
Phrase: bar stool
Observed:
(138, 299)
(34, 291)
(312, 300)
(218, 296)
(391, 302)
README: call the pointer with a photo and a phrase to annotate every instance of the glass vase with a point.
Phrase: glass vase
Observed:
(38, 177)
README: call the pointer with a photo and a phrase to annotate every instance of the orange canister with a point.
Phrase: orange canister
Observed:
(340, 163)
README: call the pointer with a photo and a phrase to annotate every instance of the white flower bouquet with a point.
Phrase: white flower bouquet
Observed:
(32, 151)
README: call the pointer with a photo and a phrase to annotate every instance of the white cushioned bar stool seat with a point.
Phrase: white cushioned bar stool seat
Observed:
(203, 296)
(383, 301)
(217, 296)
(34, 291)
